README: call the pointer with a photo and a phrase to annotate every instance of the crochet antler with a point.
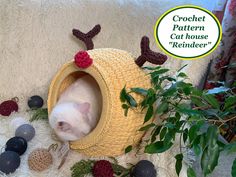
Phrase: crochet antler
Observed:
(87, 38)
(148, 55)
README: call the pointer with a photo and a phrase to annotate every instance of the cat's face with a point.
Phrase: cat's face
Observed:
(70, 120)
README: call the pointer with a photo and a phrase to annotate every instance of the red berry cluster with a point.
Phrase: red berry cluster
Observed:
(209, 85)
(103, 168)
(7, 107)
(221, 64)
(83, 60)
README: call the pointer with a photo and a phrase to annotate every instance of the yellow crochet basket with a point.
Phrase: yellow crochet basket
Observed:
(112, 69)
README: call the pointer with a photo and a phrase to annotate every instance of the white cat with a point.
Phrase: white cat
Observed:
(78, 110)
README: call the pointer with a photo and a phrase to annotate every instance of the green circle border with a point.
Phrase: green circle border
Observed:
(194, 7)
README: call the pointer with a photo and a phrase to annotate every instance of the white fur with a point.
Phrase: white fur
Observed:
(78, 110)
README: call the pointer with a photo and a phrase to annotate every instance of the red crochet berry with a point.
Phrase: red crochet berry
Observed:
(209, 85)
(220, 97)
(83, 60)
(221, 64)
(7, 107)
(102, 168)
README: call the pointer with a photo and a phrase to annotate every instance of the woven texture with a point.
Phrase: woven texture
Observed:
(40, 159)
(112, 69)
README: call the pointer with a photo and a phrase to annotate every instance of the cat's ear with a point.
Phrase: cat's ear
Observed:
(84, 107)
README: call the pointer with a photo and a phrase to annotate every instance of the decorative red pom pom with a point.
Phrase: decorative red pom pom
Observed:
(103, 168)
(220, 97)
(209, 85)
(7, 107)
(221, 64)
(83, 60)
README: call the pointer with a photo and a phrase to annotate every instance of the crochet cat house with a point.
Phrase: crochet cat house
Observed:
(112, 69)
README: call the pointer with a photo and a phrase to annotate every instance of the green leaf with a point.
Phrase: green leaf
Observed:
(189, 111)
(147, 127)
(126, 109)
(151, 68)
(185, 135)
(120, 170)
(212, 134)
(212, 100)
(39, 114)
(177, 115)
(191, 172)
(149, 114)
(131, 100)
(157, 147)
(150, 98)
(195, 118)
(179, 124)
(210, 112)
(209, 160)
(163, 133)
(169, 136)
(169, 92)
(197, 101)
(155, 133)
(178, 163)
(196, 92)
(221, 144)
(123, 94)
(160, 71)
(234, 84)
(155, 79)
(179, 157)
(125, 106)
(170, 125)
(162, 107)
(126, 112)
(193, 132)
(203, 141)
(187, 90)
(196, 149)
(233, 169)
(170, 79)
(181, 74)
(128, 149)
(182, 84)
(231, 65)
(82, 168)
(139, 91)
(230, 148)
(230, 101)
(210, 155)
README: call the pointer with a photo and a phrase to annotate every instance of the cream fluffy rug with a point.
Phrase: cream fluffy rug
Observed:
(164, 162)
(35, 40)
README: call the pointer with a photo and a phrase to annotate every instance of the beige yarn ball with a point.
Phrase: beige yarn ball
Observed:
(40, 159)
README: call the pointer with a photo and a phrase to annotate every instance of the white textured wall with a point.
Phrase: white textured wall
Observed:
(35, 36)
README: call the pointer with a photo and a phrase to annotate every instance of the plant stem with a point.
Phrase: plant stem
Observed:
(224, 121)
(201, 107)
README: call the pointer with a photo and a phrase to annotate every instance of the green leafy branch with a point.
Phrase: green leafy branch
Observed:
(193, 115)
(84, 167)
(39, 114)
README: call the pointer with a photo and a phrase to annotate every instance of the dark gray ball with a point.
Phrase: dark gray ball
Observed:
(35, 102)
(16, 144)
(9, 162)
(25, 131)
(144, 168)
